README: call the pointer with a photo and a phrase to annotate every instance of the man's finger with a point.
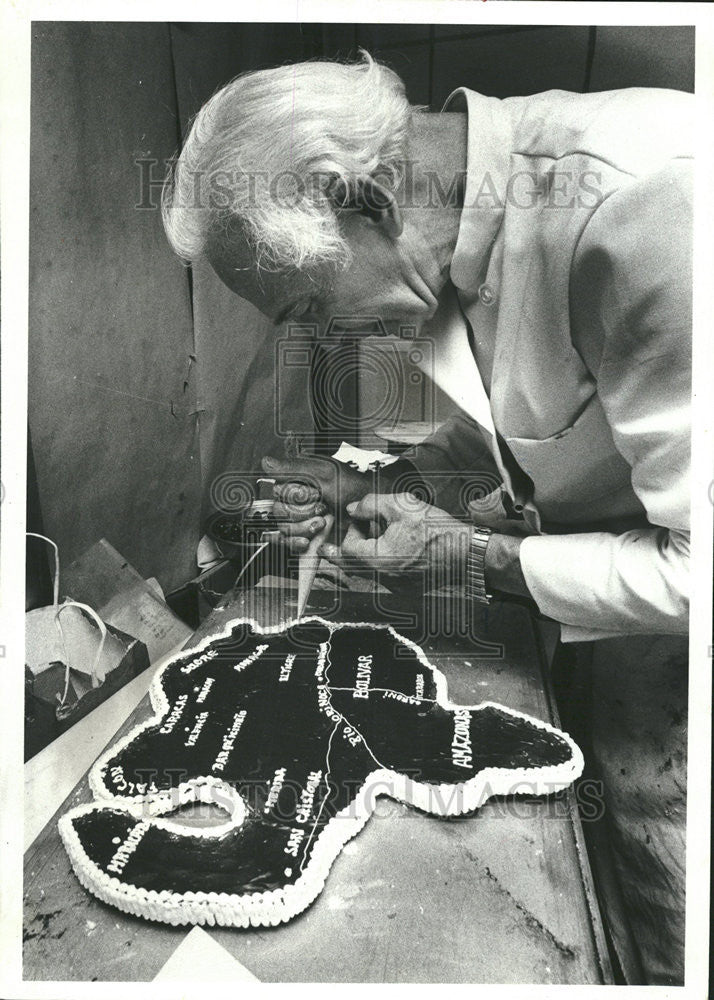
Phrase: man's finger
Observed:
(358, 548)
(333, 554)
(374, 506)
(296, 493)
(280, 465)
(304, 529)
(355, 553)
(303, 469)
(297, 512)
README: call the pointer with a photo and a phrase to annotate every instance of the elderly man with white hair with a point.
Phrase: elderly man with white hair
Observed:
(543, 243)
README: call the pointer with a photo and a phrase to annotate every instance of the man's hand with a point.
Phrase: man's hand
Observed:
(398, 535)
(307, 488)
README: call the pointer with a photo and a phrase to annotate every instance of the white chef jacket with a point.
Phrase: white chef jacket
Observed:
(574, 254)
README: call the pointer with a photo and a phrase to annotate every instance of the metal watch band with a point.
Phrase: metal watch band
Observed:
(476, 566)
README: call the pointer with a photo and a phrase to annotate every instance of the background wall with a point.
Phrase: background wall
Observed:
(149, 381)
(112, 414)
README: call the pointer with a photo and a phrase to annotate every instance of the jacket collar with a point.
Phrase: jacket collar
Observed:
(489, 145)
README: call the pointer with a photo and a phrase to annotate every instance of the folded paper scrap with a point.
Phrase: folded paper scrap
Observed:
(294, 732)
(363, 459)
(74, 660)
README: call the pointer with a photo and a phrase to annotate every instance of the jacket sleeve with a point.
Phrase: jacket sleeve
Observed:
(455, 465)
(631, 299)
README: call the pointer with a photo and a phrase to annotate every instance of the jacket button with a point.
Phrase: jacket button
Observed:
(486, 294)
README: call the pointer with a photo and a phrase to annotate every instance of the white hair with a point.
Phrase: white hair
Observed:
(269, 150)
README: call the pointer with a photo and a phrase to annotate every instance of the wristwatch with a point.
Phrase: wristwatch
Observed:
(476, 566)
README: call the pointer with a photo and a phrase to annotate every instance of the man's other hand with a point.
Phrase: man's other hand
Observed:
(306, 489)
(399, 535)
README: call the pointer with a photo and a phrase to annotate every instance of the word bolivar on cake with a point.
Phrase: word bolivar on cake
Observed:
(294, 733)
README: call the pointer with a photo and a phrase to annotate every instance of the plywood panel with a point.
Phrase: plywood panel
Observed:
(650, 56)
(248, 398)
(449, 30)
(208, 55)
(340, 41)
(508, 65)
(241, 395)
(379, 36)
(111, 408)
(412, 64)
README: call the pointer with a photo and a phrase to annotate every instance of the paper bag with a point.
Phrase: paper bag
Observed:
(74, 661)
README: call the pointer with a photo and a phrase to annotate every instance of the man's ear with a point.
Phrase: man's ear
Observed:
(371, 199)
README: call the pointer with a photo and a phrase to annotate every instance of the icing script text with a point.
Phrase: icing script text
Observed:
(203, 658)
(364, 675)
(228, 740)
(461, 752)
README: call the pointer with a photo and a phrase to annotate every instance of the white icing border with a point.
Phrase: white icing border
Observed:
(274, 907)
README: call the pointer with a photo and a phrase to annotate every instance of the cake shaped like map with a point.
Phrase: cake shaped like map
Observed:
(294, 733)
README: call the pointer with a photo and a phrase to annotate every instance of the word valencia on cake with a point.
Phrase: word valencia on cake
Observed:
(294, 732)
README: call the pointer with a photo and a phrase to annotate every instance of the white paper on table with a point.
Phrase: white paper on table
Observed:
(363, 459)
(201, 959)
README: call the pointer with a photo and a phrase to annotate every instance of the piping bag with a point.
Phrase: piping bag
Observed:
(308, 563)
(309, 560)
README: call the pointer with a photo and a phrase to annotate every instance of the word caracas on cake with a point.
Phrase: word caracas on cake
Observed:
(294, 732)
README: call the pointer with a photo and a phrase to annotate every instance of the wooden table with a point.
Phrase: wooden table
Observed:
(502, 896)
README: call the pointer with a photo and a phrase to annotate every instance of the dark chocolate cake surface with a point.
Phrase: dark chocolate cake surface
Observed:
(292, 733)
